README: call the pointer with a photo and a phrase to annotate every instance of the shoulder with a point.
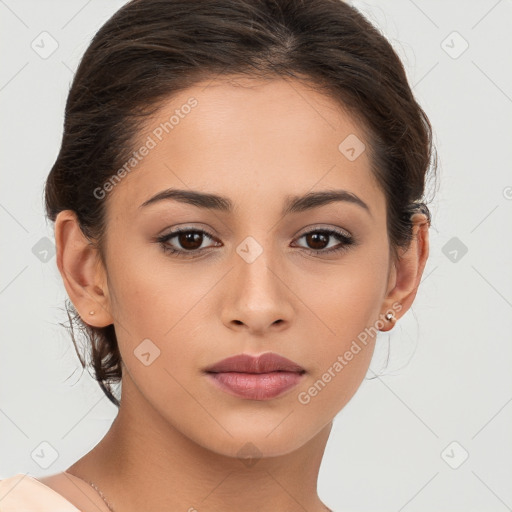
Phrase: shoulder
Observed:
(22, 490)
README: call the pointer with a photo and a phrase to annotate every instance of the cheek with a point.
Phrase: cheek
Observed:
(347, 306)
(340, 359)
(161, 302)
(327, 392)
(348, 298)
(147, 292)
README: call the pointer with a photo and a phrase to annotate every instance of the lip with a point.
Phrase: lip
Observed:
(264, 363)
(256, 378)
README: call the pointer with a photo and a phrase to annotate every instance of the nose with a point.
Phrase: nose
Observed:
(258, 298)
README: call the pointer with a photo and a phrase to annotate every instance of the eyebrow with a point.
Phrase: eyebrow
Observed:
(293, 204)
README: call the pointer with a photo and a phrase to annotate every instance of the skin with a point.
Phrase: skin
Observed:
(175, 442)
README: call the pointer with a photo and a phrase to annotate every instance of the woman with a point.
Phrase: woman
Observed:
(238, 212)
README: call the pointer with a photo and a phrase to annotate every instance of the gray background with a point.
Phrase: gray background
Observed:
(401, 442)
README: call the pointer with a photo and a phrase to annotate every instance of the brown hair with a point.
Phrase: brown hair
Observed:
(151, 49)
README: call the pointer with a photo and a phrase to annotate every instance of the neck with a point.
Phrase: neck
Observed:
(145, 463)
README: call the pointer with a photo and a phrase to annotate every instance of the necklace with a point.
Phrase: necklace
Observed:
(109, 506)
(102, 496)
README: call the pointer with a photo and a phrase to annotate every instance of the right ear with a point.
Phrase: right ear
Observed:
(82, 271)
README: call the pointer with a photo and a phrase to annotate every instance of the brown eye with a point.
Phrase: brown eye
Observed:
(318, 241)
(185, 242)
(190, 240)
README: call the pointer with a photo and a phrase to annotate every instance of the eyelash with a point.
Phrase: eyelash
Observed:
(345, 240)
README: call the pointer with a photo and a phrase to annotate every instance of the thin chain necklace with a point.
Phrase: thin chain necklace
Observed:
(102, 497)
(109, 506)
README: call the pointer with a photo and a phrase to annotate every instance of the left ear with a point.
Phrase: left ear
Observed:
(406, 274)
(82, 271)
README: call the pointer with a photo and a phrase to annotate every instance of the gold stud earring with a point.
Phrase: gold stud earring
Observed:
(91, 312)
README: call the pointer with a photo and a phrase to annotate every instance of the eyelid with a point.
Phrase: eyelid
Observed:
(320, 227)
(304, 231)
(186, 228)
(345, 238)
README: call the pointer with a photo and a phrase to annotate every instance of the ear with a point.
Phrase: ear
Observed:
(82, 271)
(406, 273)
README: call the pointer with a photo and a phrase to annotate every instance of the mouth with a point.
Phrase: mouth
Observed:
(255, 378)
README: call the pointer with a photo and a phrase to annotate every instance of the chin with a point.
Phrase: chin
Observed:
(256, 437)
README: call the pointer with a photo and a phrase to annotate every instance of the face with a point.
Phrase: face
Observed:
(249, 277)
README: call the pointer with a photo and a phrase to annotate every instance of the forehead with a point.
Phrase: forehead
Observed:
(248, 139)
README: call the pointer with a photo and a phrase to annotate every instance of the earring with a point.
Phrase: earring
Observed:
(91, 312)
(389, 317)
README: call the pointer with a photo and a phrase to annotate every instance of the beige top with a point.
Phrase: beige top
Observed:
(25, 493)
